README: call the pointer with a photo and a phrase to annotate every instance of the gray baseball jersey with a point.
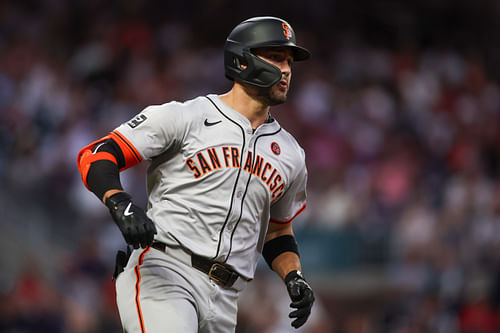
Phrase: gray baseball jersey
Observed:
(214, 183)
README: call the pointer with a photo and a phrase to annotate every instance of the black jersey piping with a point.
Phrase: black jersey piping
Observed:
(246, 188)
(237, 176)
(131, 148)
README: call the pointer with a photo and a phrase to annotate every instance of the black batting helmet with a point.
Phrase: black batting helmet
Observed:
(263, 31)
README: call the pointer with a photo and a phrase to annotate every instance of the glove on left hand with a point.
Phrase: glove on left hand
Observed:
(301, 295)
(136, 227)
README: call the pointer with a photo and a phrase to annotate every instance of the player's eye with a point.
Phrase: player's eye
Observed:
(277, 57)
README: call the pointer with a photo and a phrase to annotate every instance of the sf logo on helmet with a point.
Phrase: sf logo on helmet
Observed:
(287, 31)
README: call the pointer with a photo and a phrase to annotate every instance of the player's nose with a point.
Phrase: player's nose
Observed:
(285, 67)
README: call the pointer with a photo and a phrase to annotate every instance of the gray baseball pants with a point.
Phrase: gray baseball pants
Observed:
(160, 292)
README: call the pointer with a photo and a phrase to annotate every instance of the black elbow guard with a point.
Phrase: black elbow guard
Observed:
(104, 175)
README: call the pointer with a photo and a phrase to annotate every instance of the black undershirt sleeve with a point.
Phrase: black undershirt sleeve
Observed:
(104, 175)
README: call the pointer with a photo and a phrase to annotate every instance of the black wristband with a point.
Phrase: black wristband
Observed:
(277, 246)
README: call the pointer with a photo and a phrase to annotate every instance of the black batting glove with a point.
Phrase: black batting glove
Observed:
(301, 295)
(137, 229)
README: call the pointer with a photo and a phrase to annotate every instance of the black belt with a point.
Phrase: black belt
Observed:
(221, 274)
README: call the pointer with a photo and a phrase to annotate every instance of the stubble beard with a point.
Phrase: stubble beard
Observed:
(272, 96)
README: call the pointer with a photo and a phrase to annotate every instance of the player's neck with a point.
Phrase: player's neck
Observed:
(238, 99)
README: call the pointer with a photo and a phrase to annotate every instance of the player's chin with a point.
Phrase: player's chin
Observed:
(278, 96)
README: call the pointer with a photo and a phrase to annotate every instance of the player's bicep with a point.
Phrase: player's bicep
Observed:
(275, 230)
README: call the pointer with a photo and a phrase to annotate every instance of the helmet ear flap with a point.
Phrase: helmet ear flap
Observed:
(233, 52)
(243, 66)
(259, 72)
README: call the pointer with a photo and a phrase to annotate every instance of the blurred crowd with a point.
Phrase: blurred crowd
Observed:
(402, 144)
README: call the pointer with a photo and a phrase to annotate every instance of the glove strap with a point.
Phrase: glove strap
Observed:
(113, 200)
(293, 275)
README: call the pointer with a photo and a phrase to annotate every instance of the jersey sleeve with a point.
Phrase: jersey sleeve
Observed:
(293, 201)
(154, 130)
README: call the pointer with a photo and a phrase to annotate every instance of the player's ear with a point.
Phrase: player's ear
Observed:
(241, 63)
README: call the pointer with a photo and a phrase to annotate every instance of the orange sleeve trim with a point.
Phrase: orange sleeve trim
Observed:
(137, 289)
(82, 166)
(87, 150)
(130, 154)
(290, 220)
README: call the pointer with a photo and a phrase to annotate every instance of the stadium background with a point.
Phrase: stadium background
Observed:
(397, 111)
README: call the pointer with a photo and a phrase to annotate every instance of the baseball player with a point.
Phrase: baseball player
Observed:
(224, 183)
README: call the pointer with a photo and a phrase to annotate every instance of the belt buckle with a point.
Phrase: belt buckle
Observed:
(217, 280)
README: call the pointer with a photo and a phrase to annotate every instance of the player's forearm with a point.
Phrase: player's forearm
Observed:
(281, 250)
(285, 263)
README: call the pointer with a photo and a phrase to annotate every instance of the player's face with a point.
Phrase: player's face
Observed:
(282, 58)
